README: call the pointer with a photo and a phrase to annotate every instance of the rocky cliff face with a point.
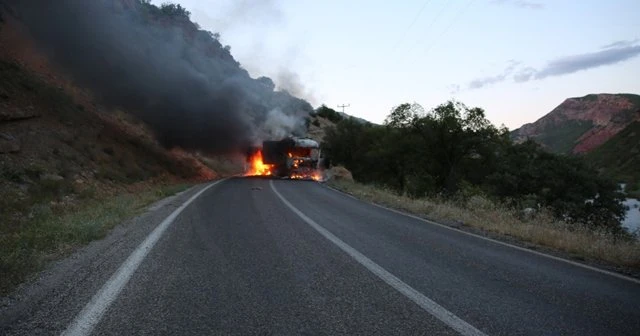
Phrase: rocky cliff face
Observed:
(579, 125)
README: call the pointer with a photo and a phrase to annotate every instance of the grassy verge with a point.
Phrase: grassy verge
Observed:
(542, 230)
(52, 232)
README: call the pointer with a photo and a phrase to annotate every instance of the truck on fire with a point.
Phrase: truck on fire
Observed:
(294, 158)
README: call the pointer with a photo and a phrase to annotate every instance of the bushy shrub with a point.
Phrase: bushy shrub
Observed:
(454, 151)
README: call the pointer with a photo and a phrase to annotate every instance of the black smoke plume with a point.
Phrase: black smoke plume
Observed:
(157, 64)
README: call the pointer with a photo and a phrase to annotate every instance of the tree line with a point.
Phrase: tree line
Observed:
(453, 151)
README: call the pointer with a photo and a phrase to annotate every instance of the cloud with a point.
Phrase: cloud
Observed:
(612, 53)
(620, 44)
(484, 81)
(616, 53)
(524, 75)
(529, 4)
(520, 3)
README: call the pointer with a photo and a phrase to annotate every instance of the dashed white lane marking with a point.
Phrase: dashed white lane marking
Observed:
(92, 313)
(424, 302)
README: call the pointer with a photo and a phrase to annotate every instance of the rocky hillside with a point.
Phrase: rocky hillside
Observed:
(324, 118)
(60, 145)
(580, 125)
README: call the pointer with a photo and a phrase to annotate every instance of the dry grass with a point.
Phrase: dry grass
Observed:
(56, 229)
(480, 213)
(224, 165)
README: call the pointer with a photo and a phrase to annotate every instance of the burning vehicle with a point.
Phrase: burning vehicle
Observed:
(294, 158)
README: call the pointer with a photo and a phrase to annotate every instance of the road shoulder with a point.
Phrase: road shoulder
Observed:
(628, 273)
(61, 290)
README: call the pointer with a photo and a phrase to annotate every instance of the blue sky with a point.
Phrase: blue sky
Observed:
(517, 59)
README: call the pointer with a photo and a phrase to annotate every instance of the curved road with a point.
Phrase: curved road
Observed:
(253, 256)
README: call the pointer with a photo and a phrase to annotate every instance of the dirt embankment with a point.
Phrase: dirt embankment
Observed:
(53, 132)
(62, 154)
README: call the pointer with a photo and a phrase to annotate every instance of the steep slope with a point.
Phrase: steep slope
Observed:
(324, 118)
(620, 156)
(53, 146)
(157, 64)
(46, 120)
(579, 125)
(317, 127)
(361, 120)
(65, 159)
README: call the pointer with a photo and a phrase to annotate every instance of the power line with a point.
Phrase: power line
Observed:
(451, 23)
(446, 4)
(415, 19)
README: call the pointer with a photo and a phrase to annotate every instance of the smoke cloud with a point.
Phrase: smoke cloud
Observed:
(160, 66)
(279, 125)
(239, 11)
(291, 82)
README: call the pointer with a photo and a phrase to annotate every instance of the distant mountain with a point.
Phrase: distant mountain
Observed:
(580, 125)
(620, 156)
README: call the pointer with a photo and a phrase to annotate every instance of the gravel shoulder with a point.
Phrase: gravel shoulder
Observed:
(47, 302)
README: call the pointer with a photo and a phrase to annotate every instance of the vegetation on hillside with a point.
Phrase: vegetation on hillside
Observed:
(453, 151)
(328, 113)
(620, 158)
(633, 98)
(563, 139)
(167, 9)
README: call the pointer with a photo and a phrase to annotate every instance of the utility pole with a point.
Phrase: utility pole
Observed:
(343, 106)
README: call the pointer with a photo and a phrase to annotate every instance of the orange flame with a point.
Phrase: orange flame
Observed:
(257, 167)
(315, 176)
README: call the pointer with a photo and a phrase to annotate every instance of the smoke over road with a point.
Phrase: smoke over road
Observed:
(155, 63)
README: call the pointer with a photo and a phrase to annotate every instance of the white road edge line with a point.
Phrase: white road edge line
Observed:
(574, 263)
(424, 302)
(92, 313)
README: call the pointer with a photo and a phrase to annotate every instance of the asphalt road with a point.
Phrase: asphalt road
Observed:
(260, 257)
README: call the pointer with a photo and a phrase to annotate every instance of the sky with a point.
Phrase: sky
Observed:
(516, 59)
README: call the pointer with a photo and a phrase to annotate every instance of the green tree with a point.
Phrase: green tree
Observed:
(454, 147)
(459, 143)
(329, 113)
(174, 10)
(404, 115)
(575, 192)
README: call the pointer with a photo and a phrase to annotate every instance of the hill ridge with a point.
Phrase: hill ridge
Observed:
(581, 124)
